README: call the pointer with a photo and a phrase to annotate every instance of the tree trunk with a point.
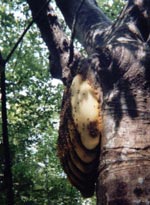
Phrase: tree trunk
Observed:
(119, 56)
(8, 180)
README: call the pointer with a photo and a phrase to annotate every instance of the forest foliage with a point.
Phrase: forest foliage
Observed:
(33, 106)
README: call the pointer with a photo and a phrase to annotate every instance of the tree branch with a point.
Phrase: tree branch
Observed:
(92, 28)
(89, 29)
(133, 24)
(91, 24)
(55, 39)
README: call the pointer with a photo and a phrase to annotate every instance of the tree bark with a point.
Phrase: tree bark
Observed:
(91, 23)
(119, 55)
(54, 37)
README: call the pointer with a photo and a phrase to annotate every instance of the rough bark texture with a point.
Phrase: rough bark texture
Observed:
(125, 152)
(90, 22)
(54, 37)
(119, 56)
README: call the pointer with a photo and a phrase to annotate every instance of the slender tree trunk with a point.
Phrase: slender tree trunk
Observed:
(8, 182)
(119, 55)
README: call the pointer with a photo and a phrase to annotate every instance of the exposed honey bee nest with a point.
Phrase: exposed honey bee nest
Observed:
(80, 131)
(86, 113)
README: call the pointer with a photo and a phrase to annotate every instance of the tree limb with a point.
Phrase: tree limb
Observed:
(132, 26)
(55, 39)
(92, 28)
(91, 24)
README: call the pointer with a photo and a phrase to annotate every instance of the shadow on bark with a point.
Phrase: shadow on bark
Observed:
(114, 68)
